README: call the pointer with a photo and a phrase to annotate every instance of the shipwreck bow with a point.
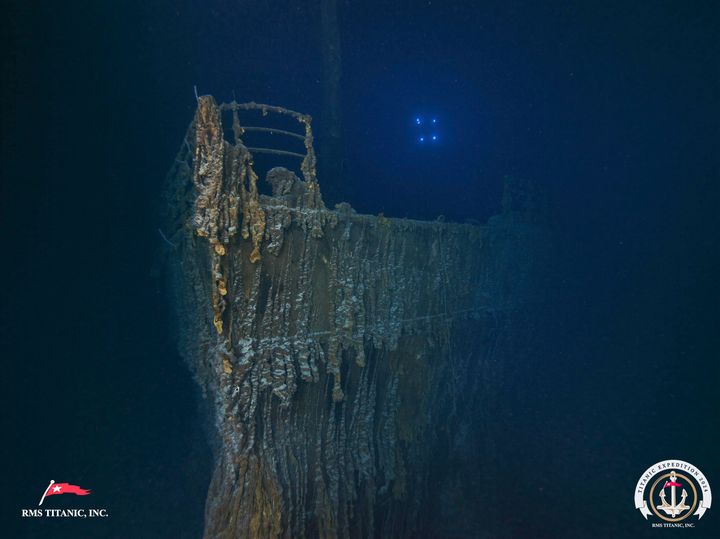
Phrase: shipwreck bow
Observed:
(344, 355)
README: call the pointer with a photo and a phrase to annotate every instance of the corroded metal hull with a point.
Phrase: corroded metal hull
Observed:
(343, 354)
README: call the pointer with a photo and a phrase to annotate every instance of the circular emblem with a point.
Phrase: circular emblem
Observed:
(673, 491)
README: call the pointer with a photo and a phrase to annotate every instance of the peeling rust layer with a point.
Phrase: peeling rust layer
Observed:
(342, 353)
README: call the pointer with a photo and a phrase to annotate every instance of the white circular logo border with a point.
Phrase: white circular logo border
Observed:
(706, 494)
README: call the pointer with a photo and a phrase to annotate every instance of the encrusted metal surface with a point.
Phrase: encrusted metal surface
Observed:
(342, 353)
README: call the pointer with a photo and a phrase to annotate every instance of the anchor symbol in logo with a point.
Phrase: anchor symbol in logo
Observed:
(673, 508)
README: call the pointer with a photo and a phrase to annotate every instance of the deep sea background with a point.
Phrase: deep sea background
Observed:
(611, 108)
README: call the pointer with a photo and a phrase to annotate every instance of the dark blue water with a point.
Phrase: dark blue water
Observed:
(611, 109)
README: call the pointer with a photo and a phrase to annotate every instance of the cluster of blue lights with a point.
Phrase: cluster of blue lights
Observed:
(428, 132)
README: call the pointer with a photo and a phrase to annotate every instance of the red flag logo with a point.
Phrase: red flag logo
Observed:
(63, 488)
